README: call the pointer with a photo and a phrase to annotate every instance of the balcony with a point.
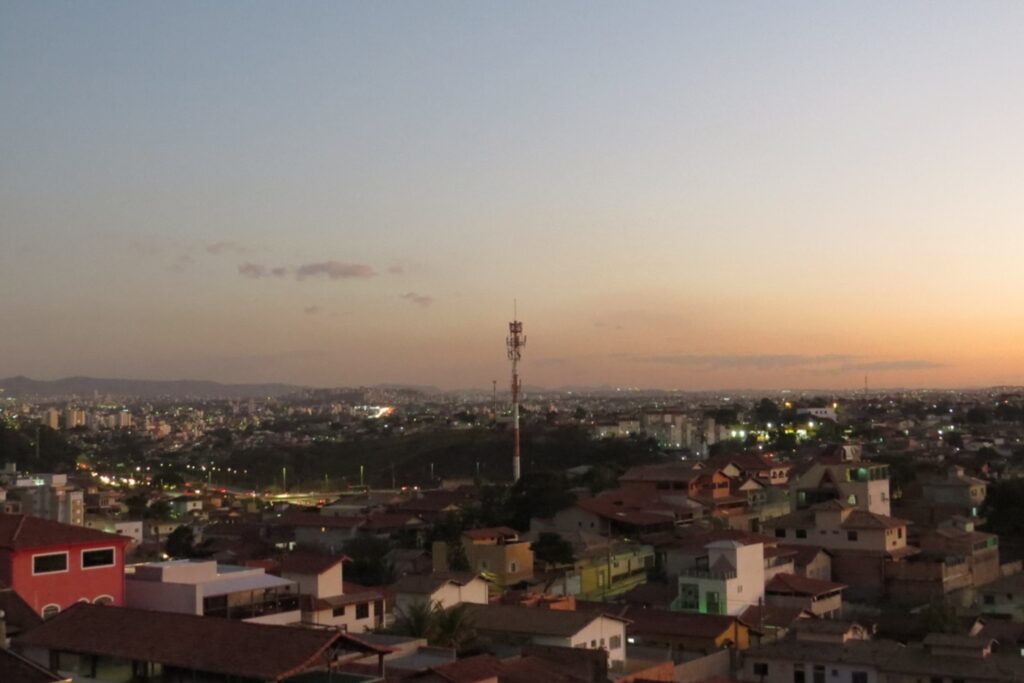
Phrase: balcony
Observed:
(223, 606)
(703, 573)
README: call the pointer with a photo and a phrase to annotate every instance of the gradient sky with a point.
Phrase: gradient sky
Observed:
(680, 195)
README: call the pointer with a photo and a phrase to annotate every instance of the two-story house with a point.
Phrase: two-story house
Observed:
(52, 565)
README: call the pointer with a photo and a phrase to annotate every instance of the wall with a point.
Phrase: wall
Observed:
(183, 598)
(68, 587)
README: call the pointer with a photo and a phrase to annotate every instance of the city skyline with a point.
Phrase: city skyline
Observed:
(683, 197)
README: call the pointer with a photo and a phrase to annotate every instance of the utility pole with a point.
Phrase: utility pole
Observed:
(393, 484)
(361, 468)
(494, 400)
(284, 480)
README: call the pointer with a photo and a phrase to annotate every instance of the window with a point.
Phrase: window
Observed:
(513, 567)
(899, 532)
(50, 611)
(851, 535)
(989, 599)
(49, 563)
(363, 610)
(801, 533)
(819, 673)
(852, 499)
(689, 596)
(780, 533)
(760, 669)
(798, 674)
(101, 557)
(615, 642)
(593, 644)
(859, 677)
(483, 565)
(338, 611)
(104, 600)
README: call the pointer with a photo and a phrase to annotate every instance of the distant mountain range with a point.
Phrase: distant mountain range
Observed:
(24, 387)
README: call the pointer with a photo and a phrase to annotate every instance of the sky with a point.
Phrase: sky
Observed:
(682, 195)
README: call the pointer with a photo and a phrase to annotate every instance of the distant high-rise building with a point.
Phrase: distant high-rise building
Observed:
(124, 420)
(73, 417)
(51, 418)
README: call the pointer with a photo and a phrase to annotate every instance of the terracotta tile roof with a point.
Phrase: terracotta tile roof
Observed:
(308, 564)
(508, 619)
(773, 616)
(210, 644)
(650, 621)
(469, 670)
(17, 669)
(862, 519)
(23, 531)
(427, 584)
(625, 514)
(312, 519)
(800, 585)
(804, 554)
(665, 472)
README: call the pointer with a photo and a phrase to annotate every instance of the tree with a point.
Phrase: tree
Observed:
(539, 494)
(416, 621)
(453, 627)
(552, 549)
(369, 564)
(767, 411)
(181, 543)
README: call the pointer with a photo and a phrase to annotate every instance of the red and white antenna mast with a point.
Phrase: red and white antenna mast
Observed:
(515, 342)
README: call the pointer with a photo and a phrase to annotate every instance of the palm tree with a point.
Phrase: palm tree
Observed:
(454, 627)
(417, 620)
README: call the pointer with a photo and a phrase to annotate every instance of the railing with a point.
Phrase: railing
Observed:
(699, 573)
(286, 603)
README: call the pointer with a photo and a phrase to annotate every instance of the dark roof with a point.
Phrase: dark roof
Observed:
(468, 670)
(649, 621)
(773, 616)
(665, 472)
(17, 613)
(805, 554)
(428, 583)
(312, 519)
(800, 585)
(23, 531)
(308, 564)
(17, 669)
(210, 644)
(532, 620)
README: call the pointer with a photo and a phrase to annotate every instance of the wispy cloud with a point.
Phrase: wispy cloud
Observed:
(824, 363)
(396, 270)
(418, 299)
(334, 270)
(744, 361)
(890, 365)
(218, 248)
(311, 310)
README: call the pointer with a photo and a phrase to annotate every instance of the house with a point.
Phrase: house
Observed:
(841, 474)
(820, 598)
(683, 634)
(562, 628)
(52, 565)
(445, 589)
(809, 657)
(499, 552)
(730, 580)
(1003, 597)
(863, 544)
(323, 533)
(121, 644)
(955, 490)
(204, 587)
(326, 600)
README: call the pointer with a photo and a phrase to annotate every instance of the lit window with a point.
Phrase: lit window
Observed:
(51, 611)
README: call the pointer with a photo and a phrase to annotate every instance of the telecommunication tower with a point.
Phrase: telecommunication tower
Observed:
(515, 342)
